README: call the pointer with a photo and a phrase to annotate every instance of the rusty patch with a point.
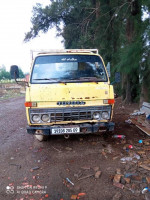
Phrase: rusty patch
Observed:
(87, 97)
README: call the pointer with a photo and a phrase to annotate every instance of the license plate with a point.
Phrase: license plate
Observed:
(58, 131)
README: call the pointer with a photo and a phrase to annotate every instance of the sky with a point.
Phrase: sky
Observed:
(15, 21)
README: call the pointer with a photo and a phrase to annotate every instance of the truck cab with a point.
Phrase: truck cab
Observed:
(69, 92)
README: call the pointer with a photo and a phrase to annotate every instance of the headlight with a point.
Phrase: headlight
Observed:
(35, 118)
(45, 118)
(96, 115)
(105, 115)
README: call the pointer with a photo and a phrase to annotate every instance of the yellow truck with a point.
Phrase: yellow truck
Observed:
(69, 92)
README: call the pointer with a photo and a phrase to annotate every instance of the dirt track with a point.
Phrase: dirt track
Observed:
(57, 159)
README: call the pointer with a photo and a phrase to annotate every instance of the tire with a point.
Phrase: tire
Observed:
(40, 138)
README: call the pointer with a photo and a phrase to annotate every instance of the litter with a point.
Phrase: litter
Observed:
(70, 181)
(119, 136)
(146, 189)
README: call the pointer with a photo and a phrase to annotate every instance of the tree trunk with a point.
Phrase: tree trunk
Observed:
(128, 90)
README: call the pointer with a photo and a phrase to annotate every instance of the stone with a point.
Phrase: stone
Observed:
(68, 149)
(127, 180)
(117, 178)
(97, 174)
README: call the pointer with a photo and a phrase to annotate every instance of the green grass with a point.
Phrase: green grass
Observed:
(11, 94)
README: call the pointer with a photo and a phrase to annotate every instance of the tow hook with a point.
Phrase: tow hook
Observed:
(66, 136)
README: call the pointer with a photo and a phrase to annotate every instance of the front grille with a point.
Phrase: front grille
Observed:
(71, 113)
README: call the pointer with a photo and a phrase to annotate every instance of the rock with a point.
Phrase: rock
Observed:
(117, 196)
(68, 149)
(97, 174)
(127, 180)
(117, 178)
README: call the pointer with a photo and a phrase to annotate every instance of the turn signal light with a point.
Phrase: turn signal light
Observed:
(30, 104)
(108, 101)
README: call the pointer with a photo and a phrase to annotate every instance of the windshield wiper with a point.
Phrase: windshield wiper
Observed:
(90, 78)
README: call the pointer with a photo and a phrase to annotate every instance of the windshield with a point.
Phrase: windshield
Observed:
(68, 68)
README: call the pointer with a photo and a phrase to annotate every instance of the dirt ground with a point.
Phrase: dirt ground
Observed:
(38, 170)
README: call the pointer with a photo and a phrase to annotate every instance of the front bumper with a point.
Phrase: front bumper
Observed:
(85, 128)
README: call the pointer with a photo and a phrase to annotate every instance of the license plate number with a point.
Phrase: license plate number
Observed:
(58, 131)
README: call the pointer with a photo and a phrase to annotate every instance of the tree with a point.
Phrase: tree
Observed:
(4, 74)
(114, 27)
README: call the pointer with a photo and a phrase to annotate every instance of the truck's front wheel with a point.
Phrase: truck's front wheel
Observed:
(40, 137)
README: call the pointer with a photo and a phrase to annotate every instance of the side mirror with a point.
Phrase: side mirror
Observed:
(14, 72)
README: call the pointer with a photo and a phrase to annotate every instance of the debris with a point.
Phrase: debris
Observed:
(130, 146)
(117, 196)
(35, 168)
(70, 181)
(81, 194)
(57, 149)
(117, 178)
(119, 185)
(148, 180)
(127, 180)
(145, 167)
(74, 197)
(119, 136)
(146, 189)
(128, 121)
(140, 141)
(135, 156)
(84, 177)
(12, 158)
(127, 175)
(68, 149)
(97, 174)
(86, 167)
(136, 178)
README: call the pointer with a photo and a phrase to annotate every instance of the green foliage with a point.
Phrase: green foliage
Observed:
(4, 74)
(21, 74)
(117, 28)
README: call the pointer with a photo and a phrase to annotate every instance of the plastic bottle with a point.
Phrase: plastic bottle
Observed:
(119, 136)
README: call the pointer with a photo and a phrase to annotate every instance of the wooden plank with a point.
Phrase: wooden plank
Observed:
(142, 128)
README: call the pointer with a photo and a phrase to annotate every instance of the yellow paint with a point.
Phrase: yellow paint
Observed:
(47, 95)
